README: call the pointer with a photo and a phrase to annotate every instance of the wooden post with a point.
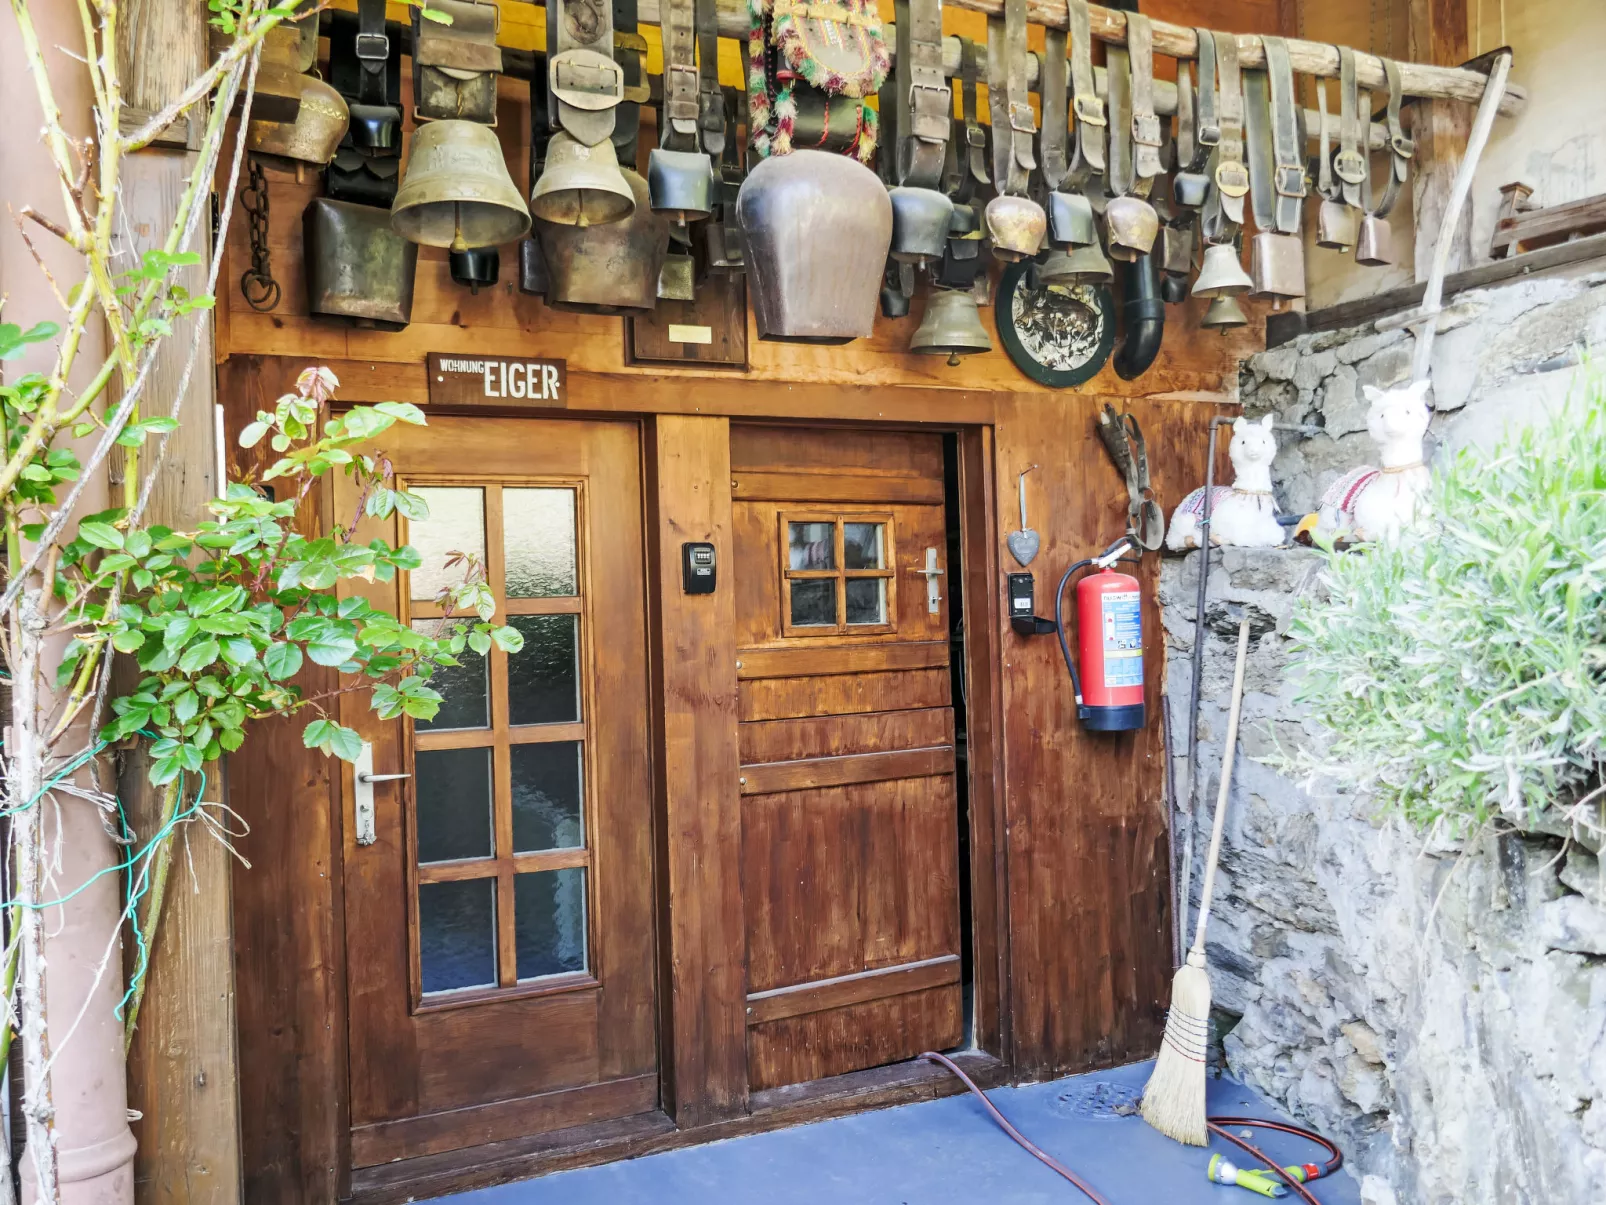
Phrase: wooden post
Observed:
(182, 1067)
(1438, 34)
(699, 834)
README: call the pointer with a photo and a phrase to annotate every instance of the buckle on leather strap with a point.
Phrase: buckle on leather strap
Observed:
(1021, 119)
(930, 108)
(1403, 145)
(1207, 135)
(1088, 109)
(1145, 129)
(372, 47)
(1232, 178)
(1349, 166)
(976, 138)
(1289, 180)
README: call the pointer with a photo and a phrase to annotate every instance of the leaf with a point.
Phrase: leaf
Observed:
(282, 661)
(346, 744)
(480, 642)
(198, 656)
(332, 648)
(508, 639)
(101, 535)
(128, 641)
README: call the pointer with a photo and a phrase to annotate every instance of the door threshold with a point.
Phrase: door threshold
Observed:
(653, 1132)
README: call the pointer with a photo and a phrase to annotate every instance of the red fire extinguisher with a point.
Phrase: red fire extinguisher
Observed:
(1109, 613)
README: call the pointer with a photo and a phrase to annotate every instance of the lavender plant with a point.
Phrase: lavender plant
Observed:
(1461, 669)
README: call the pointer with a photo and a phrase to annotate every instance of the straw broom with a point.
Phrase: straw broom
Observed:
(1174, 1101)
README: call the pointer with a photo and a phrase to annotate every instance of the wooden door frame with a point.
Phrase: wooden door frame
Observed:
(717, 1105)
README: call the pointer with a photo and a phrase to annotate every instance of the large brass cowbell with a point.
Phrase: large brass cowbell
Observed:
(951, 327)
(457, 192)
(582, 183)
(1374, 246)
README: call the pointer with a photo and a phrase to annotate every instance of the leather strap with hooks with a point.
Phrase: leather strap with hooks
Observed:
(710, 97)
(1199, 135)
(373, 52)
(972, 166)
(1350, 165)
(1053, 84)
(1146, 138)
(1326, 186)
(1401, 147)
(1013, 123)
(1121, 178)
(1087, 157)
(682, 104)
(1230, 175)
(1288, 147)
(923, 99)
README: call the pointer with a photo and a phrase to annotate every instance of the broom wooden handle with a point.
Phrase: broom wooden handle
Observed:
(1225, 789)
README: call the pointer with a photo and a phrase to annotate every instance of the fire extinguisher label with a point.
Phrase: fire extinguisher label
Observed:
(1123, 639)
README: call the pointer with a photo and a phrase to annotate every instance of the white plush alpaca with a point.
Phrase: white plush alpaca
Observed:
(1244, 514)
(1376, 503)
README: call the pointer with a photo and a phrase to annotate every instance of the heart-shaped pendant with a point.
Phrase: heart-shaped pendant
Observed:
(1023, 545)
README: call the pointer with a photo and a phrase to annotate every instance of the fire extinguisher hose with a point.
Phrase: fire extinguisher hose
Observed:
(1217, 1125)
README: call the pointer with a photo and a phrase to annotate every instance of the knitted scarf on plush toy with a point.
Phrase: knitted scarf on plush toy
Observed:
(772, 119)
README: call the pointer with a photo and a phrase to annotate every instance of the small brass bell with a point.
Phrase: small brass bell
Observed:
(921, 218)
(1173, 289)
(722, 242)
(681, 184)
(476, 267)
(456, 192)
(1277, 266)
(532, 268)
(581, 185)
(1337, 225)
(1176, 246)
(1223, 273)
(677, 279)
(1224, 314)
(314, 135)
(1133, 227)
(1189, 189)
(895, 295)
(1070, 220)
(606, 269)
(1374, 246)
(1078, 266)
(1016, 226)
(951, 326)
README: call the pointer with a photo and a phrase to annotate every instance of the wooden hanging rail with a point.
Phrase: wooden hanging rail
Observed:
(1180, 41)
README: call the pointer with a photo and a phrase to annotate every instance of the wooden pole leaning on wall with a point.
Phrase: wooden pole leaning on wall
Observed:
(1181, 41)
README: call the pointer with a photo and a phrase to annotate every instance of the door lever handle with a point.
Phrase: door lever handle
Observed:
(363, 800)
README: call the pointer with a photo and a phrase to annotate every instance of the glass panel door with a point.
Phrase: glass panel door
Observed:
(499, 816)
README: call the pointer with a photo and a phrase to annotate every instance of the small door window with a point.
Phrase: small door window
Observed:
(498, 799)
(837, 574)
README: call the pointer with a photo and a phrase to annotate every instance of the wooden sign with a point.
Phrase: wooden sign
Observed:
(515, 381)
(710, 330)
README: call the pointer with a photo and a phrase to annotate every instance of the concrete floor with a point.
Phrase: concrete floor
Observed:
(942, 1151)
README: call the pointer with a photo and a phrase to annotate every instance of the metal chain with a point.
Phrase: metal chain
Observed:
(257, 284)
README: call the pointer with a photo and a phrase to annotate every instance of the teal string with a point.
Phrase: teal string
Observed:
(138, 885)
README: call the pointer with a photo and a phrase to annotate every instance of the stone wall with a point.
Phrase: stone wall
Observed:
(1439, 1010)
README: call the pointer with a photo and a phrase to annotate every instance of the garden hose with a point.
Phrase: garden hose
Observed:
(1293, 1175)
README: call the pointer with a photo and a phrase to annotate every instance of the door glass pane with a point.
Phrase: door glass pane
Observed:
(813, 602)
(546, 797)
(456, 523)
(543, 678)
(811, 545)
(863, 546)
(465, 697)
(457, 935)
(867, 600)
(454, 804)
(538, 538)
(549, 911)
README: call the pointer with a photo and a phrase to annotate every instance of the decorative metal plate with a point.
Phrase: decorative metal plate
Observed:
(1059, 336)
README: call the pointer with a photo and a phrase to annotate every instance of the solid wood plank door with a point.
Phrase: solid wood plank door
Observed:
(499, 926)
(850, 877)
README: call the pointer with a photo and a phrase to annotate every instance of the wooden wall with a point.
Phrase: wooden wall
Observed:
(1078, 897)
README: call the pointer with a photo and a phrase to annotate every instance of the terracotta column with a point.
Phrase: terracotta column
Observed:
(84, 966)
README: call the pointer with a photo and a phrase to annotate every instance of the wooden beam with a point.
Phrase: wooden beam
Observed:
(1180, 41)
(841, 991)
(703, 941)
(183, 1072)
(811, 773)
(1438, 34)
